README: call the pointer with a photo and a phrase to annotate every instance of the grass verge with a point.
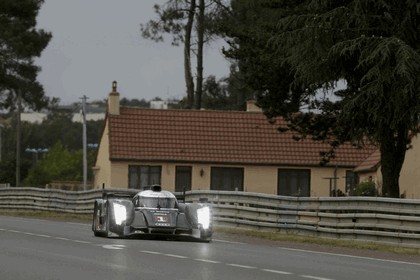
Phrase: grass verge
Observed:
(59, 216)
(358, 245)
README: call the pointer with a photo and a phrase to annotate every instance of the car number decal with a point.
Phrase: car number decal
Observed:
(160, 219)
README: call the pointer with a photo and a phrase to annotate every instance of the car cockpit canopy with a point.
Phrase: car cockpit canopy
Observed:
(155, 198)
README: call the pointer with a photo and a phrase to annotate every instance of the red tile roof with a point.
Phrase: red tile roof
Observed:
(371, 163)
(214, 136)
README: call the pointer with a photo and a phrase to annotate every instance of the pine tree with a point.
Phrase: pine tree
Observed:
(20, 42)
(371, 45)
(187, 22)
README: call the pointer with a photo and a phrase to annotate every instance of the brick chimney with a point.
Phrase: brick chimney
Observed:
(114, 100)
(251, 106)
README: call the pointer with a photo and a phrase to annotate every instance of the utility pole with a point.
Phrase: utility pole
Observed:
(1, 141)
(18, 135)
(84, 143)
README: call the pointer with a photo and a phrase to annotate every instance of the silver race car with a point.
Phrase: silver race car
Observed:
(151, 212)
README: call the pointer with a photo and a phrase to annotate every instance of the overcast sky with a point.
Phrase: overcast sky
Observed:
(98, 41)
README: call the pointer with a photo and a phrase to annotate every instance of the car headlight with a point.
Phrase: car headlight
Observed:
(203, 217)
(120, 213)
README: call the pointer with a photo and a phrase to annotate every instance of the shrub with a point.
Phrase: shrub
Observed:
(367, 188)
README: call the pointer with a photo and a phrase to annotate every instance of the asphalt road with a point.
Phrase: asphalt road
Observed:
(41, 249)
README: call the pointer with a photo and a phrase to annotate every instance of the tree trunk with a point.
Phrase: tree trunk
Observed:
(187, 56)
(200, 35)
(393, 149)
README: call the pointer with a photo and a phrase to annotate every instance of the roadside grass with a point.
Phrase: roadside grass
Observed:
(263, 235)
(358, 245)
(50, 215)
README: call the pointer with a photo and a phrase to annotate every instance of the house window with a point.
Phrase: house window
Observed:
(140, 176)
(351, 181)
(227, 179)
(182, 178)
(294, 182)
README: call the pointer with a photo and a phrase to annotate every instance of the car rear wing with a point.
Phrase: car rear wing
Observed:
(118, 193)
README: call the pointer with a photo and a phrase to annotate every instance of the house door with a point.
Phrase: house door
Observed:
(183, 178)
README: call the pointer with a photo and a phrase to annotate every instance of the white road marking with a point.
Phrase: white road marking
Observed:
(113, 247)
(176, 256)
(225, 241)
(277, 271)
(241, 266)
(78, 224)
(81, 241)
(314, 277)
(347, 256)
(151, 252)
(51, 237)
(43, 235)
(206, 261)
(62, 238)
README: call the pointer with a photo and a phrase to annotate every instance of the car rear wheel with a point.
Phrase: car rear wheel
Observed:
(97, 221)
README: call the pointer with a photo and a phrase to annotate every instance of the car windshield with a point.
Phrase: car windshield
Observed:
(157, 202)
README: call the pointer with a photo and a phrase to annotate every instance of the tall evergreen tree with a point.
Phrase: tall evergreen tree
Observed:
(20, 42)
(228, 93)
(373, 46)
(248, 27)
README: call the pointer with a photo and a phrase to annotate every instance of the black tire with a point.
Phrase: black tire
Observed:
(106, 233)
(95, 220)
(95, 223)
(206, 236)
